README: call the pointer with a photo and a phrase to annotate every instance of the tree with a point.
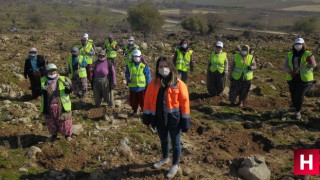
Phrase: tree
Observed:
(306, 24)
(214, 22)
(145, 18)
(195, 24)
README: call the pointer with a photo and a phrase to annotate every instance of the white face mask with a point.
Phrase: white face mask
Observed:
(131, 42)
(164, 71)
(32, 54)
(244, 53)
(298, 47)
(52, 75)
(184, 46)
(136, 59)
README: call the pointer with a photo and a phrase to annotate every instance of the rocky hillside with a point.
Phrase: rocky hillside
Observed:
(223, 142)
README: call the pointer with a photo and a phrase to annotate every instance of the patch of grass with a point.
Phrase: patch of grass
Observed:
(64, 147)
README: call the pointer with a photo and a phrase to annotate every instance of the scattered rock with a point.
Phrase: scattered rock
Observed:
(123, 115)
(20, 77)
(254, 168)
(6, 102)
(77, 129)
(23, 169)
(118, 103)
(13, 95)
(313, 91)
(24, 120)
(33, 152)
(6, 117)
(252, 87)
(203, 82)
(29, 105)
(273, 87)
(225, 92)
(124, 82)
(186, 171)
(159, 45)
(125, 149)
(268, 65)
(144, 45)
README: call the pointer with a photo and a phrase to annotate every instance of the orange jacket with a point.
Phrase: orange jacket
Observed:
(176, 103)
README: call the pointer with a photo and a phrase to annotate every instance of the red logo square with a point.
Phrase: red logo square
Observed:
(306, 162)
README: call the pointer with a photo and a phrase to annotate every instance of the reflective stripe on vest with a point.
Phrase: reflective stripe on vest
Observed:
(129, 52)
(217, 63)
(64, 98)
(306, 73)
(89, 57)
(81, 70)
(242, 68)
(110, 52)
(183, 62)
(137, 77)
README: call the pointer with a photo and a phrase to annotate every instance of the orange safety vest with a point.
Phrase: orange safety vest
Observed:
(176, 98)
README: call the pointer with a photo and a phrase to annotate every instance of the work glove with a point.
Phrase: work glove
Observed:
(293, 74)
(66, 83)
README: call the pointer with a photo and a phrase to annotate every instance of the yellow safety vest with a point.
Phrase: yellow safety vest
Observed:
(129, 52)
(242, 68)
(183, 62)
(138, 79)
(217, 63)
(110, 52)
(81, 70)
(88, 48)
(306, 73)
(64, 98)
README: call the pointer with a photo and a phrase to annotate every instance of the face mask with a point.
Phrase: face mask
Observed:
(52, 76)
(184, 46)
(32, 54)
(131, 42)
(164, 71)
(244, 53)
(298, 47)
(101, 58)
(136, 59)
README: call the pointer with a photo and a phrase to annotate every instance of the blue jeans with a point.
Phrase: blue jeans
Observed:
(175, 135)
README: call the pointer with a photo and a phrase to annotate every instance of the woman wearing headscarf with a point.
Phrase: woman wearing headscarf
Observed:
(299, 73)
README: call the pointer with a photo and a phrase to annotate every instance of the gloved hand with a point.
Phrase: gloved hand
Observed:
(293, 74)
(309, 60)
(66, 83)
(44, 88)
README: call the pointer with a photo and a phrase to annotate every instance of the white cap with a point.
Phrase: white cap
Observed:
(33, 49)
(86, 36)
(51, 67)
(299, 41)
(136, 53)
(220, 44)
(131, 38)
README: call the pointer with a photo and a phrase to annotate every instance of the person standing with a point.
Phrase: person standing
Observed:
(104, 80)
(242, 66)
(128, 49)
(77, 73)
(183, 60)
(167, 107)
(138, 77)
(299, 73)
(111, 49)
(34, 68)
(217, 70)
(56, 103)
(87, 51)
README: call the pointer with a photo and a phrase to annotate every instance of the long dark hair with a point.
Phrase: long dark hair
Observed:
(173, 71)
(304, 48)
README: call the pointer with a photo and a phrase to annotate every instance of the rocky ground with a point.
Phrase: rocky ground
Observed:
(223, 143)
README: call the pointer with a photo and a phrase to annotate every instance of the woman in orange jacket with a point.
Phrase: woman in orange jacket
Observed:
(166, 107)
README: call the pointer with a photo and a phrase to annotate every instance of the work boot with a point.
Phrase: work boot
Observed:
(173, 171)
(161, 162)
(298, 115)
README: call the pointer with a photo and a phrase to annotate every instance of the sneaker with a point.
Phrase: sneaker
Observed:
(173, 171)
(298, 115)
(160, 163)
(51, 138)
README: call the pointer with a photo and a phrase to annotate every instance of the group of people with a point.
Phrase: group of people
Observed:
(163, 100)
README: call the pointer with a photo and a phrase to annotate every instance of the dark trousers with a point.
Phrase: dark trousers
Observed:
(137, 99)
(239, 88)
(89, 73)
(216, 82)
(175, 135)
(35, 77)
(183, 76)
(297, 90)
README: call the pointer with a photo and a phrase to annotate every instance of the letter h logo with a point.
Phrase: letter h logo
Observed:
(306, 162)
